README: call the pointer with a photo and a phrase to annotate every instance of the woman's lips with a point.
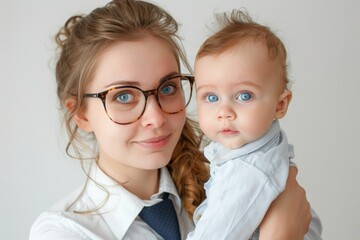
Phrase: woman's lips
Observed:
(155, 142)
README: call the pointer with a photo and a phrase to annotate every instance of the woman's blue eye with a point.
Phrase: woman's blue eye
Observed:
(244, 97)
(124, 97)
(167, 90)
(211, 98)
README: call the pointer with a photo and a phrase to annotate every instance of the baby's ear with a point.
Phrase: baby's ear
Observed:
(79, 118)
(283, 104)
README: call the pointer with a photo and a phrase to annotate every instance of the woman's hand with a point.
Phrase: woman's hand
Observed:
(289, 215)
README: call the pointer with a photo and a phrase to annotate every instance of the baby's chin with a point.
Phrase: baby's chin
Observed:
(234, 140)
(232, 144)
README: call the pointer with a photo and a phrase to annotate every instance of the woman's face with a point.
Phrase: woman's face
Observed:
(148, 143)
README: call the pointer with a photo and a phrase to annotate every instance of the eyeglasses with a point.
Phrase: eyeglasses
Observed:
(126, 104)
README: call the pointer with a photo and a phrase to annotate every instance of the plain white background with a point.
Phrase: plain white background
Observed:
(322, 38)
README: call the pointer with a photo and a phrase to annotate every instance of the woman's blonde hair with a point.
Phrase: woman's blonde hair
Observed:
(84, 38)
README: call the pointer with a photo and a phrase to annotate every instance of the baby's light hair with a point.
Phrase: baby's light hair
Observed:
(237, 27)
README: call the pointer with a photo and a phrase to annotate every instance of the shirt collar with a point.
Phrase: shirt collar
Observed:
(167, 185)
(218, 154)
(120, 208)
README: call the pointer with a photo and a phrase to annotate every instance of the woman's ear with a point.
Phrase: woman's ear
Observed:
(283, 104)
(79, 118)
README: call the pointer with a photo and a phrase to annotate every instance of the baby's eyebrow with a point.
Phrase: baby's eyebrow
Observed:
(243, 83)
(249, 83)
(204, 86)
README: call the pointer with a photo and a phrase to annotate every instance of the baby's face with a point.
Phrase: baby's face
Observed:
(238, 94)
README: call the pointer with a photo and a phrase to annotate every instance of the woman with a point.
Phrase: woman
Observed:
(143, 147)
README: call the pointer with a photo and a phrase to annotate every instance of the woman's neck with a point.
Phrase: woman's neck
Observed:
(141, 182)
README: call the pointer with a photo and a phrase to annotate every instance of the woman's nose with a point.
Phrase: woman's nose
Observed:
(153, 115)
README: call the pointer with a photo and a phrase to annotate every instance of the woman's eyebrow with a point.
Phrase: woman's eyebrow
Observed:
(123, 83)
(167, 76)
(137, 83)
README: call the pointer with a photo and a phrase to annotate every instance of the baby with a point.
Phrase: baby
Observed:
(241, 85)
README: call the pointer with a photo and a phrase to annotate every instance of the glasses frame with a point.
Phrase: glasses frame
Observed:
(102, 96)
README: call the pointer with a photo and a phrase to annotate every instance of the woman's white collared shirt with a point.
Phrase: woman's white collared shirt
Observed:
(117, 217)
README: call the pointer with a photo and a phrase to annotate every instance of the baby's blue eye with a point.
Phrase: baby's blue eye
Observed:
(244, 97)
(211, 98)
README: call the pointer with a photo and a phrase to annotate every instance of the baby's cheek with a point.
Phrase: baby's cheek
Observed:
(208, 127)
(258, 126)
(202, 116)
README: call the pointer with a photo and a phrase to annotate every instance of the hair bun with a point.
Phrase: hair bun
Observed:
(65, 32)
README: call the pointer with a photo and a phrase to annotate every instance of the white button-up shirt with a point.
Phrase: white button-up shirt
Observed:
(243, 184)
(113, 212)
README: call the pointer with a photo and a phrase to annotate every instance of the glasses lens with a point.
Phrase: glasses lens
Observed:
(174, 94)
(125, 105)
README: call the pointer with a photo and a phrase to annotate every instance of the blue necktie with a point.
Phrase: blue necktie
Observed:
(162, 218)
